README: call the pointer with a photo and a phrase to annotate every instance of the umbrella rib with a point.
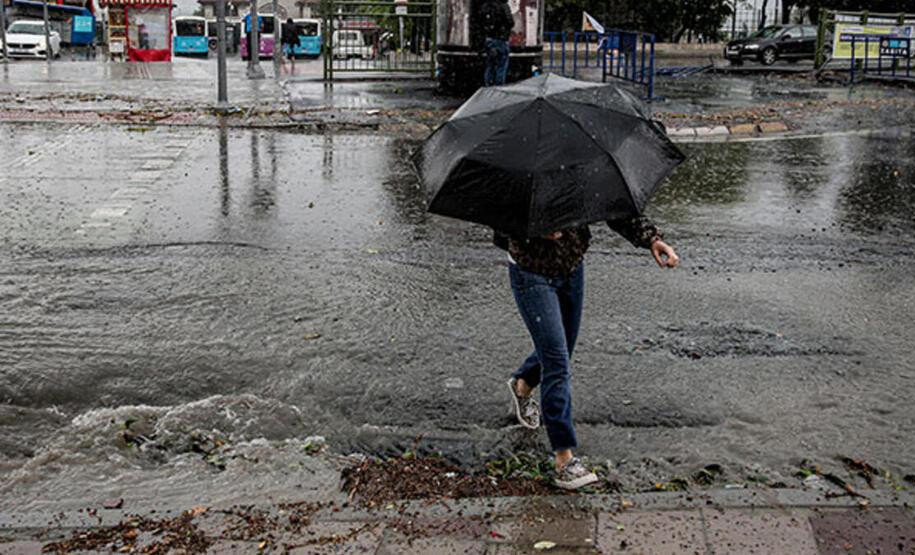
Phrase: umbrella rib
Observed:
(604, 150)
(530, 202)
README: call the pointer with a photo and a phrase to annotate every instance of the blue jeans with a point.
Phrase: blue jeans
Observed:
(496, 62)
(551, 309)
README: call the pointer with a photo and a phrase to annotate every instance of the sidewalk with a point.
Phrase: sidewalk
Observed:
(786, 521)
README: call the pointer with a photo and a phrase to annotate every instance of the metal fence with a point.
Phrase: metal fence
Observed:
(377, 36)
(894, 56)
(618, 54)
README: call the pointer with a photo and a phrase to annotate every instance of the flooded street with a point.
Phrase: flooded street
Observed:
(145, 270)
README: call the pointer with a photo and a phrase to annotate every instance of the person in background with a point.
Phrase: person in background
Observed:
(496, 19)
(289, 37)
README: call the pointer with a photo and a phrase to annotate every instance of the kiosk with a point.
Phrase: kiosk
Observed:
(139, 30)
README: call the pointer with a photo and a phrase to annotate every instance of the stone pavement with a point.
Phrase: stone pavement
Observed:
(720, 521)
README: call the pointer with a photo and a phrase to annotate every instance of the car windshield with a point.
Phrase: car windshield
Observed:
(26, 28)
(307, 28)
(185, 28)
(766, 32)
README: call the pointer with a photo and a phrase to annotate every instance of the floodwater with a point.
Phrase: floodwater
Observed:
(257, 287)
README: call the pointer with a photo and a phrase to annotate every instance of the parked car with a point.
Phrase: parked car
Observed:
(351, 44)
(773, 43)
(25, 39)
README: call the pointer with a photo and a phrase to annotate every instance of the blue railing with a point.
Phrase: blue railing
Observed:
(626, 55)
(888, 47)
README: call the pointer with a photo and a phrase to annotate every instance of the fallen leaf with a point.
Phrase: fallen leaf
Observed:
(199, 510)
(312, 335)
(544, 545)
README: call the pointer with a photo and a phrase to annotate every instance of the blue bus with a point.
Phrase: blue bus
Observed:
(189, 36)
(309, 37)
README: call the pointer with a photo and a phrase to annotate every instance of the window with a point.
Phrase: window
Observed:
(307, 28)
(189, 28)
(147, 28)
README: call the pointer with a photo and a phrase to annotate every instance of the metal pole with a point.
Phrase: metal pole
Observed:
(575, 54)
(277, 40)
(47, 31)
(651, 70)
(734, 20)
(255, 71)
(222, 95)
(851, 69)
(3, 28)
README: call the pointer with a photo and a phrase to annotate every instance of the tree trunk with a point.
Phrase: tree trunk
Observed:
(762, 15)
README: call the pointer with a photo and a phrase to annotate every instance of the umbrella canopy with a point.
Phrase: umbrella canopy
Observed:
(545, 154)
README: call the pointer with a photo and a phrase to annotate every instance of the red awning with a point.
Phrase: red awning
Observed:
(163, 3)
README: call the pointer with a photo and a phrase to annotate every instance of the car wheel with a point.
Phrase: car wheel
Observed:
(768, 56)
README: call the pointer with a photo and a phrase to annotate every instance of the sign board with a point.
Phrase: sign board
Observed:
(895, 47)
(116, 47)
(841, 47)
(82, 23)
(400, 7)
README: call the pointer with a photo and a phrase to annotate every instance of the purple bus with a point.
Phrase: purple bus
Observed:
(266, 35)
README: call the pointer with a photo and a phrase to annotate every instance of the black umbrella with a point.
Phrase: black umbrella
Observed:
(545, 154)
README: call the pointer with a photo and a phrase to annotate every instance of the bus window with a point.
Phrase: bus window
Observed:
(307, 28)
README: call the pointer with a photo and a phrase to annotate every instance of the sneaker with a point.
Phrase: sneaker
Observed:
(526, 408)
(574, 475)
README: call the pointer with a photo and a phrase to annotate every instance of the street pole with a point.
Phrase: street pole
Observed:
(734, 21)
(255, 71)
(277, 40)
(222, 95)
(3, 28)
(47, 31)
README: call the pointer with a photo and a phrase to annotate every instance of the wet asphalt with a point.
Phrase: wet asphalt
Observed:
(162, 266)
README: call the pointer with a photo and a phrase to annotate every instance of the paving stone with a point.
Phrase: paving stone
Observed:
(568, 534)
(20, 548)
(759, 532)
(433, 546)
(809, 498)
(681, 132)
(656, 533)
(773, 127)
(743, 129)
(710, 131)
(864, 531)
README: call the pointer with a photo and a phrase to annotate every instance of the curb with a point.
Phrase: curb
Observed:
(766, 127)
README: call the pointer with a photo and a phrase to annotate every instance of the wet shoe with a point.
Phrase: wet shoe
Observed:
(574, 475)
(526, 408)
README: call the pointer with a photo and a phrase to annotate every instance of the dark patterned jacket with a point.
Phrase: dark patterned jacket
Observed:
(560, 257)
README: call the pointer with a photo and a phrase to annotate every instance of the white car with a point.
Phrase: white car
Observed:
(351, 44)
(25, 39)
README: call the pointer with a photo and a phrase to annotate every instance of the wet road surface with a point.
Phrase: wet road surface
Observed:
(299, 277)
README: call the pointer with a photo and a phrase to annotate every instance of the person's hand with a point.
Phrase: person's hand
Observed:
(555, 236)
(664, 254)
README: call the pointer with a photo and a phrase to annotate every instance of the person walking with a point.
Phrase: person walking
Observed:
(497, 22)
(547, 278)
(289, 37)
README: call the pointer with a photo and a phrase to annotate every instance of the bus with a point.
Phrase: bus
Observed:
(266, 32)
(309, 31)
(189, 36)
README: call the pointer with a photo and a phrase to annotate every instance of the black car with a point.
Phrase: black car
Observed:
(769, 44)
